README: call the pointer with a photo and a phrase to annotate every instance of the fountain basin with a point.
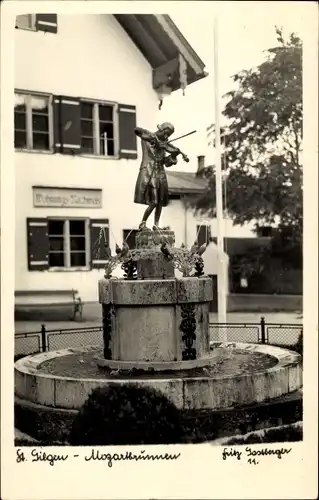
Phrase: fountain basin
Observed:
(249, 387)
(276, 374)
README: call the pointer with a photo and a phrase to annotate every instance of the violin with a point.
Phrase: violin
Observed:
(166, 146)
(173, 151)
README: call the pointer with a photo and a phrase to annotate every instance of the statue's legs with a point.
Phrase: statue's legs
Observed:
(147, 213)
(158, 211)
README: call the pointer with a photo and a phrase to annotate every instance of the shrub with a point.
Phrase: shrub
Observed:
(43, 423)
(122, 415)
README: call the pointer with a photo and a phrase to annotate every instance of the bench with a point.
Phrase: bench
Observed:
(54, 298)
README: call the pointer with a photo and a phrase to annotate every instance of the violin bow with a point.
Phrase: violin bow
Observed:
(181, 136)
(176, 139)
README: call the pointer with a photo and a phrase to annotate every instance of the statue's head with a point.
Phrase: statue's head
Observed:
(165, 130)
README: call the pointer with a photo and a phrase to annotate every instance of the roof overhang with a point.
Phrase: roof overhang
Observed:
(162, 44)
(185, 184)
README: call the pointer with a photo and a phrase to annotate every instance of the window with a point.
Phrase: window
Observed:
(47, 23)
(69, 125)
(97, 128)
(68, 243)
(26, 22)
(203, 234)
(32, 122)
(129, 236)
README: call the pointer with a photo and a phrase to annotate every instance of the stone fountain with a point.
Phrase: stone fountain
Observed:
(156, 334)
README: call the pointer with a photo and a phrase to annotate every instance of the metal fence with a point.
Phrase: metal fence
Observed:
(283, 334)
(50, 340)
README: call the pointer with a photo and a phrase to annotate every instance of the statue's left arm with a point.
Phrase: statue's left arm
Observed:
(144, 134)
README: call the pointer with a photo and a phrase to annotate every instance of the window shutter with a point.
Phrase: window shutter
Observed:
(99, 242)
(127, 124)
(67, 125)
(38, 244)
(46, 22)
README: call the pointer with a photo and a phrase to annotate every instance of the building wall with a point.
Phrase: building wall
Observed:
(91, 57)
(185, 223)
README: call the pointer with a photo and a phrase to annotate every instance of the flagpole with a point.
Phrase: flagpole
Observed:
(222, 278)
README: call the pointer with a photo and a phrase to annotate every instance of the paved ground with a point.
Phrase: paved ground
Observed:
(92, 317)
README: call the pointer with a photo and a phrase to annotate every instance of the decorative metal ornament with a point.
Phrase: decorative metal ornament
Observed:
(188, 327)
(107, 310)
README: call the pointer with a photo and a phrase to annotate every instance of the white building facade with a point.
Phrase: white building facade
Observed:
(82, 84)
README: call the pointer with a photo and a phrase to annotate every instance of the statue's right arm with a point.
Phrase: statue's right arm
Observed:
(144, 134)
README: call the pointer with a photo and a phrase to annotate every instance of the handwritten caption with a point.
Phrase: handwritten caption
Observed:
(253, 456)
(250, 455)
(37, 455)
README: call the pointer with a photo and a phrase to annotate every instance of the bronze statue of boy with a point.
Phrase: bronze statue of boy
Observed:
(151, 186)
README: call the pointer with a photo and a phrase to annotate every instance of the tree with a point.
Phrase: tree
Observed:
(262, 144)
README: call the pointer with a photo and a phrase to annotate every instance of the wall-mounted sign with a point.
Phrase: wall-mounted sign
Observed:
(67, 198)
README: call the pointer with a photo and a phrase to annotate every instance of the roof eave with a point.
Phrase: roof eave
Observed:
(162, 44)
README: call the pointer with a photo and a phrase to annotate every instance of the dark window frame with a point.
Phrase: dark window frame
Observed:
(47, 23)
(67, 238)
(29, 122)
(96, 138)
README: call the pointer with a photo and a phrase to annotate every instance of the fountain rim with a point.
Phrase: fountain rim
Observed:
(54, 392)
(29, 364)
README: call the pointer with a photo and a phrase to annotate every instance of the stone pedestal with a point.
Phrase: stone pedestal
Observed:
(156, 324)
(151, 263)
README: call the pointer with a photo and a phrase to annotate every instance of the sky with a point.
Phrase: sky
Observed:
(246, 31)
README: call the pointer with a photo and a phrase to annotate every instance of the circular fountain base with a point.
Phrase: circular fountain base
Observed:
(55, 385)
